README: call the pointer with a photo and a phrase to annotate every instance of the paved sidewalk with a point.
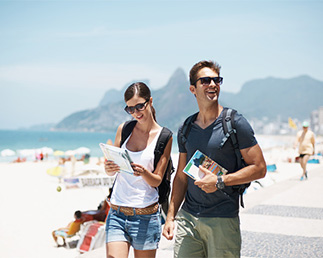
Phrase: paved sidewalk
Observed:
(284, 219)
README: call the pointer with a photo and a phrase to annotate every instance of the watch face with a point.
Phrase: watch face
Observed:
(220, 184)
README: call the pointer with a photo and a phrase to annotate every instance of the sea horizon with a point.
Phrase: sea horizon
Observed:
(32, 142)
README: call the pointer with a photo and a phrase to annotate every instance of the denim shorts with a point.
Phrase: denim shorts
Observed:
(141, 231)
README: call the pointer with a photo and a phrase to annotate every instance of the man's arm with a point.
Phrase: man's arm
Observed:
(256, 169)
(177, 197)
(313, 142)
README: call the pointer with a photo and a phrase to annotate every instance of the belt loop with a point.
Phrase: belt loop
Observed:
(118, 210)
(134, 211)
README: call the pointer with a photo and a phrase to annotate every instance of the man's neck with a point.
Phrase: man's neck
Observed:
(207, 115)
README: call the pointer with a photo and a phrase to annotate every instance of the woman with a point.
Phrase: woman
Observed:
(137, 194)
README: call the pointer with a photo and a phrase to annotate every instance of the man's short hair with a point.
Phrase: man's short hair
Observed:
(78, 214)
(200, 65)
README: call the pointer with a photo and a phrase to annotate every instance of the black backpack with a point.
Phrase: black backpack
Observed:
(229, 133)
(164, 187)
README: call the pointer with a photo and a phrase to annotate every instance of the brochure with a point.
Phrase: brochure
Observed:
(192, 167)
(119, 156)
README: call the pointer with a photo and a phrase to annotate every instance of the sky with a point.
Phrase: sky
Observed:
(59, 57)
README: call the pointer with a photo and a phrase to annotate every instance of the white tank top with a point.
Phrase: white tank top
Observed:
(134, 191)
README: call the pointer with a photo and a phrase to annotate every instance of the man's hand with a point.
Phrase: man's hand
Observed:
(207, 183)
(168, 230)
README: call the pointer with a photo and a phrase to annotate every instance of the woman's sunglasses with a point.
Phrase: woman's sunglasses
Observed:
(205, 81)
(138, 107)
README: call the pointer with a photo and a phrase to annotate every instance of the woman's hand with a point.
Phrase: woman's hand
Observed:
(110, 167)
(138, 170)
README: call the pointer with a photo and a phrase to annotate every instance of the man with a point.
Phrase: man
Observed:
(208, 223)
(306, 141)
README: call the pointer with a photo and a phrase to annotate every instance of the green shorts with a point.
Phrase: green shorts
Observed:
(206, 237)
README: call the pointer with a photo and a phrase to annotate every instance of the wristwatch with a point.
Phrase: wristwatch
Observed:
(220, 184)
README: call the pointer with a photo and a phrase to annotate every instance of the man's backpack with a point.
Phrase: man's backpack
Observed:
(229, 133)
(164, 187)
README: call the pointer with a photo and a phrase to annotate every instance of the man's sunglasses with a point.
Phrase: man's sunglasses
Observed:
(205, 81)
(138, 107)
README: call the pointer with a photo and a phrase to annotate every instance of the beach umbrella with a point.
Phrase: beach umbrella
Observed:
(47, 150)
(59, 153)
(82, 150)
(70, 153)
(8, 153)
(27, 152)
(55, 171)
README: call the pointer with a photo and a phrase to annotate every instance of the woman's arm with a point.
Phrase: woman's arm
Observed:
(110, 167)
(117, 140)
(178, 193)
(154, 179)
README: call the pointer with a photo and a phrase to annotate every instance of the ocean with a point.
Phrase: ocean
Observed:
(31, 142)
(21, 141)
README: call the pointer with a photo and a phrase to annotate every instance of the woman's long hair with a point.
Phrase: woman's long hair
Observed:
(142, 90)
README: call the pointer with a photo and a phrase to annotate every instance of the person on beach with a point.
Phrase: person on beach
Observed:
(71, 229)
(208, 222)
(305, 140)
(134, 218)
(79, 218)
(99, 214)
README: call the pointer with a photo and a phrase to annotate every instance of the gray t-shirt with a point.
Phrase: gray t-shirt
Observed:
(208, 140)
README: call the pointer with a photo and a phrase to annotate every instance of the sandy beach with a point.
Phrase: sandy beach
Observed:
(32, 207)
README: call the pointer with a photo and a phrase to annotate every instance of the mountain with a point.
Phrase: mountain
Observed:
(170, 102)
(101, 119)
(296, 97)
(270, 97)
(114, 96)
(174, 102)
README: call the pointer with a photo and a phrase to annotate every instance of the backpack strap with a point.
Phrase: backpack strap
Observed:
(230, 132)
(164, 187)
(186, 128)
(127, 130)
(162, 141)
